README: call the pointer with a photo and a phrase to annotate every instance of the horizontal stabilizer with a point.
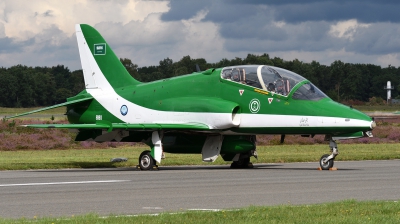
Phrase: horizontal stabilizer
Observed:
(52, 107)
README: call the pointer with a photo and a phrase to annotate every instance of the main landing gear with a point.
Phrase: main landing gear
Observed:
(243, 161)
(326, 161)
(146, 161)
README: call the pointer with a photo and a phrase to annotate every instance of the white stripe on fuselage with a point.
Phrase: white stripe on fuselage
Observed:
(274, 120)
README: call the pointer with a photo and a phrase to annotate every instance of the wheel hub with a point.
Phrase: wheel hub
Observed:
(145, 161)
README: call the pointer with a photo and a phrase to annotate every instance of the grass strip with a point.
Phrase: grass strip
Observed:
(349, 211)
(100, 158)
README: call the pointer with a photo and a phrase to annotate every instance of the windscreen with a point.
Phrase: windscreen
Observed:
(272, 79)
(308, 92)
(279, 80)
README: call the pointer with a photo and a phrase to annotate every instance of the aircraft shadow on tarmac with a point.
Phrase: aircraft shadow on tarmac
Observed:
(108, 166)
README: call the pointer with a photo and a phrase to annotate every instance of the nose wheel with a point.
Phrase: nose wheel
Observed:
(326, 161)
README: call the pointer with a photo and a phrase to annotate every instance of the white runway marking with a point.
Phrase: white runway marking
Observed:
(64, 183)
(207, 210)
(152, 208)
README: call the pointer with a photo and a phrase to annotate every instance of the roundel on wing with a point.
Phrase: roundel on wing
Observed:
(124, 110)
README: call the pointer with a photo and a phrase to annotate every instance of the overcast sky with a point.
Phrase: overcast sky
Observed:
(41, 32)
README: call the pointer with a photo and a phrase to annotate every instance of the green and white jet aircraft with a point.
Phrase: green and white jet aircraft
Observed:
(214, 112)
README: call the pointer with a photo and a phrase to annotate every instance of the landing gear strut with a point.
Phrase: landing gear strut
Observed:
(326, 161)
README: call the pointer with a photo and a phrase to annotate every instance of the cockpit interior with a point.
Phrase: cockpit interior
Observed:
(273, 79)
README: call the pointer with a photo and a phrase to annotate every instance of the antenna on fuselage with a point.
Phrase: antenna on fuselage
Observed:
(198, 68)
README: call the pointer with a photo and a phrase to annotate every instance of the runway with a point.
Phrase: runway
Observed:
(70, 192)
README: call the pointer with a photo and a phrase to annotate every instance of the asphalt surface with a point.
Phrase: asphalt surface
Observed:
(70, 192)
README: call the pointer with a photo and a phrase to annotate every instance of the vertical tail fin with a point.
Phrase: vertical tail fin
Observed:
(102, 69)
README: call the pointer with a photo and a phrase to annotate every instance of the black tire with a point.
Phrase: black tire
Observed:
(241, 164)
(328, 164)
(146, 161)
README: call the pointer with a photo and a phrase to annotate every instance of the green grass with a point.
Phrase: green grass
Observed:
(349, 211)
(100, 158)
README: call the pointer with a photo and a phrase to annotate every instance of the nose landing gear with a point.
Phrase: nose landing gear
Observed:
(326, 161)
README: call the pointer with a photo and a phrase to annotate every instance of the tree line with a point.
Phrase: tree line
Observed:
(23, 86)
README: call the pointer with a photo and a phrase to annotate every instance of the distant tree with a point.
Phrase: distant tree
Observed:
(166, 68)
(22, 86)
(61, 76)
(223, 63)
(62, 94)
(264, 60)
(185, 66)
(130, 67)
(202, 63)
(45, 89)
(78, 83)
(278, 62)
(337, 74)
(180, 71)
(8, 89)
(352, 83)
(236, 61)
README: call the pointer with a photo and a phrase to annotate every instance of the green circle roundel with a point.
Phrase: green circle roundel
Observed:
(254, 105)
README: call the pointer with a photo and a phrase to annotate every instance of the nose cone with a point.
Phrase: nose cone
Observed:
(348, 118)
(364, 122)
(373, 125)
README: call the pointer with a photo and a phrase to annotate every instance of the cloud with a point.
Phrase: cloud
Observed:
(376, 39)
(2, 30)
(41, 33)
(157, 39)
(48, 27)
(35, 16)
(290, 11)
(184, 10)
(295, 11)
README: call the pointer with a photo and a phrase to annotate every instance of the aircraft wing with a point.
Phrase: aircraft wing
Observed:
(52, 107)
(125, 126)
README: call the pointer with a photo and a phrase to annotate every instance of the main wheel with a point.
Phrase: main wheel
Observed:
(241, 163)
(325, 165)
(146, 161)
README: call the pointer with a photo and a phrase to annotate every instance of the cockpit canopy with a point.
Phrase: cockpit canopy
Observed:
(272, 79)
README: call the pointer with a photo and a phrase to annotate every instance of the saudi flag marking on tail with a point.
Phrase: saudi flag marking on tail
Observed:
(100, 49)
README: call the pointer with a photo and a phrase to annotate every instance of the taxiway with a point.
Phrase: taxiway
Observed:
(70, 192)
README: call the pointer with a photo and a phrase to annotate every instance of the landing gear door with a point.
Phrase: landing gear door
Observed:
(212, 148)
(156, 150)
